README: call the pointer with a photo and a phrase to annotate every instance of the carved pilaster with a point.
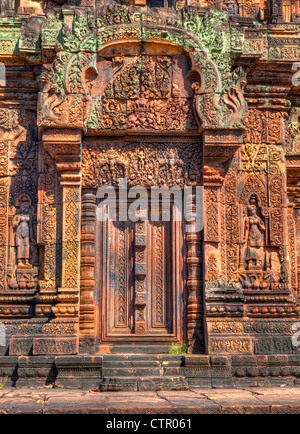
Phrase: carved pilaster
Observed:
(88, 239)
(49, 234)
(65, 147)
(294, 235)
(297, 232)
(292, 247)
(195, 335)
(140, 272)
(4, 187)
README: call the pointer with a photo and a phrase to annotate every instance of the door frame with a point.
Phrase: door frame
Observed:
(105, 342)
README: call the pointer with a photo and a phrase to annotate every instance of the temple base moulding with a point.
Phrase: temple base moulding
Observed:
(151, 372)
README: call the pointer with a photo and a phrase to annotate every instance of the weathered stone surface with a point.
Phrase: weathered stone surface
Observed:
(198, 401)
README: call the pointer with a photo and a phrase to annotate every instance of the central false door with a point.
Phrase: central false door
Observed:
(141, 285)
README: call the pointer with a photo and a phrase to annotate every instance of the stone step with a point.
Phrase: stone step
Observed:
(116, 364)
(154, 349)
(130, 372)
(132, 364)
(175, 358)
(115, 357)
(174, 364)
(143, 357)
(142, 372)
(149, 384)
(174, 383)
(173, 370)
(116, 384)
(145, 363)
(162, 358)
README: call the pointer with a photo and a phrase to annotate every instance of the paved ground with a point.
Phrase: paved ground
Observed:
(214, 401)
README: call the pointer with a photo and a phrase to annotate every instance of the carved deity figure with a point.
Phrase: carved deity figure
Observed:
(23, 225)
(254, 230)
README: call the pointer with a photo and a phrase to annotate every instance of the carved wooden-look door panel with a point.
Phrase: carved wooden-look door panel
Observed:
(140, 281)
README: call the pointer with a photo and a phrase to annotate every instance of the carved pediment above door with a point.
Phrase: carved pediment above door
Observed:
(125, 73)
(142, 93)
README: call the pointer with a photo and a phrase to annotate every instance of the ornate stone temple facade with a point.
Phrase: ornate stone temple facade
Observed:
(188, 93)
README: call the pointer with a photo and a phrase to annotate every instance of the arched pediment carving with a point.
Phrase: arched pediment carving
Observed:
(254, 185)
(66, 97)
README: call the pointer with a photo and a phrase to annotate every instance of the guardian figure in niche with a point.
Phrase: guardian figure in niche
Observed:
(23, 226)
(254, 231)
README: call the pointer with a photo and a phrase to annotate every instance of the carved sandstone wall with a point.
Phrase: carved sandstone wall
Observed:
(194, 95)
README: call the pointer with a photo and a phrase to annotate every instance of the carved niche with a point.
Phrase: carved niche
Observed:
(19, 171)
(262, 262)
(24, 260)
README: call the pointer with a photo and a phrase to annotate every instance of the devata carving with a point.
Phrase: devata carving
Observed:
(254, 234)
(23, 225)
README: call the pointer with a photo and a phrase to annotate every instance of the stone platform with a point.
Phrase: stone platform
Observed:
(149, 372)
(194, 401)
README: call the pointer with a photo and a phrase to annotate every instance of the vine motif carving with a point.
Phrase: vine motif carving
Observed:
(292, 248)
(276, 212)
(50, 223)
(262, 159)
(292, 128)
(212, 233)
(212, 268)
(233, 345)
(266, 126)
(71, 243)
(3, 229)
(232, 225)
(159, 284)
(141, 286)
(121, 284)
